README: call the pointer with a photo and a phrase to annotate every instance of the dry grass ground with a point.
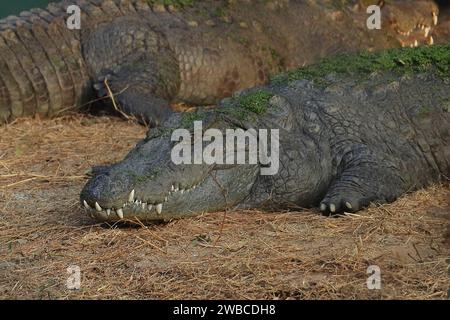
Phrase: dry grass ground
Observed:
(234, 255)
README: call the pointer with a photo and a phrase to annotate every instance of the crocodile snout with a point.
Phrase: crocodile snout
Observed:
(96, 190)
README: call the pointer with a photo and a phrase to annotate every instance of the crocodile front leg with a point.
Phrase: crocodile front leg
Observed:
(364, 178)
(136, 93)
(134, 67)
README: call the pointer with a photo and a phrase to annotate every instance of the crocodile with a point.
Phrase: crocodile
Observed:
(146, 58)
(352, 130)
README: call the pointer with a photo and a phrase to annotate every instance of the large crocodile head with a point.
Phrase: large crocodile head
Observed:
(149, 184)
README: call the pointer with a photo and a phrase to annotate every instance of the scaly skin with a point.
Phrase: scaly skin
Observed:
(345, 140)
(154, 56)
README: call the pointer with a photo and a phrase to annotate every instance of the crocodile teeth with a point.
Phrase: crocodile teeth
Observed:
(431, 41)
(416, 44)
(97, 207)
(131, 196)
(332, 208)
(144, 206)
(323, 207)
(86, 204)
(120, 213)
(150, 207)
(108, 212)
(165, 199)
(159, 208)
(427, 31)
(172, 188)
(435, 18)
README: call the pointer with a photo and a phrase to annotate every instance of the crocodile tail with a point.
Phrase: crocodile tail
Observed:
(41, 66)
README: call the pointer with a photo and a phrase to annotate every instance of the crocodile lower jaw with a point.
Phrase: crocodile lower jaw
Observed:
(134, 207)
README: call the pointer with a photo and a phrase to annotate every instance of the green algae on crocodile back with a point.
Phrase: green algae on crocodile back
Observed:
(166, 52)
(343, 143)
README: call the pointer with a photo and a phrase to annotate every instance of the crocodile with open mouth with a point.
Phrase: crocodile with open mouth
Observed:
(147, 56)
(352, 130)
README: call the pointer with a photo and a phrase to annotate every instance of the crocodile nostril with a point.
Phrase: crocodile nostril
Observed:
(107, 189)
(96, 190)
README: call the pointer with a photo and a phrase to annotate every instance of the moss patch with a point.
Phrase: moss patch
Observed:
(241, 107)
(244, 105)
(397, 60)
(255, 101)
(188, 118)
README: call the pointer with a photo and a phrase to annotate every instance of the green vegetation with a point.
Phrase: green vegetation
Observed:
(255, 102)
(188, 118)
(241, 107)
(244, 105)
(404, 60)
